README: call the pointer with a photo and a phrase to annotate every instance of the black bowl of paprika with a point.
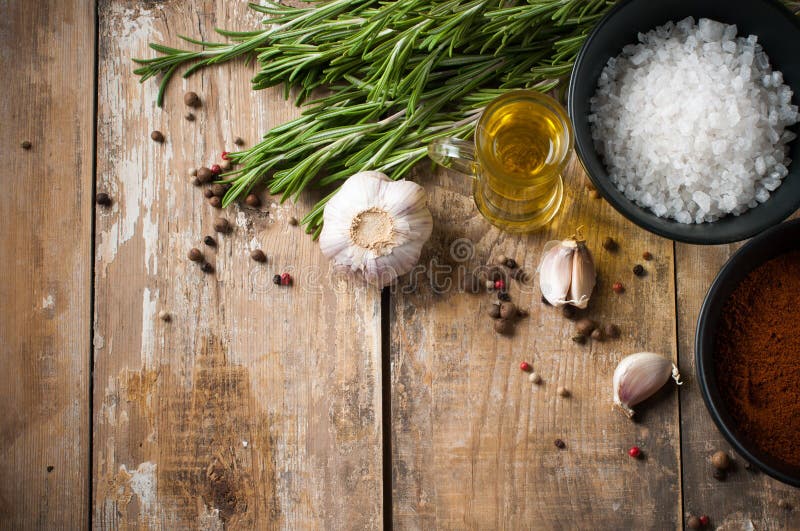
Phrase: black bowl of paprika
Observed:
(747, 352)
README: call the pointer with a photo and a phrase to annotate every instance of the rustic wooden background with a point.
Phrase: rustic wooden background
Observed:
(327, 405)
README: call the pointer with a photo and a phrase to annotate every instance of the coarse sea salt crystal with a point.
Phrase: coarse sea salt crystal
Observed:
(690, 120)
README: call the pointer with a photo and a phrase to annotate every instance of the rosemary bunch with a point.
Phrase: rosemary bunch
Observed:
(399, 74)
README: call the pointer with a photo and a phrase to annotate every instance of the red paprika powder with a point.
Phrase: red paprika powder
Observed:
(757, 357)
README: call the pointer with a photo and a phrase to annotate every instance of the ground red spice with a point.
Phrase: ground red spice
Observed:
(757, 357)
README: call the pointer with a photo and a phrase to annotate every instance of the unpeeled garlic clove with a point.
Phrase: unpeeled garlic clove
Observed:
(566, 273)
(638, 376)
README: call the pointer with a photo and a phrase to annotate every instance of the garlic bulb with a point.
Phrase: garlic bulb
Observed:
(376, 226)
(566, 273)
(638, 376)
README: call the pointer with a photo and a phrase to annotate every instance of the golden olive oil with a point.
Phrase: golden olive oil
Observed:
(522, 144)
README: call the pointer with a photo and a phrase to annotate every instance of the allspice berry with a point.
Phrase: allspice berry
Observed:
(721, 460)
(222, 225)
(569, 311)
(258, 255)
(494, 311)
(252, 200)
(611, 331)
(205, 175)
(102, 199)
(195, 255)
(157, 136)
(215, 202)
(191, 99)
(693, 522)
(207, 268)
(508, 310)
(208, 193)
(503, 326)
(585, 326)
(218, 189)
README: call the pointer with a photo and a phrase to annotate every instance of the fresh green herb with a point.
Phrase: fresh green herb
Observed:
(398, 74)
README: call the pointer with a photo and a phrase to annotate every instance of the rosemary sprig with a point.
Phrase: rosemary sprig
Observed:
(399, 74)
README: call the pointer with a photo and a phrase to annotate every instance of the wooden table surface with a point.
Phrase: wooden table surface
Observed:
(328, 405)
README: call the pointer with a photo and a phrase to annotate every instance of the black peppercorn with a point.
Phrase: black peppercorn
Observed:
(720, 475)
(609, 244)
(569, 311)
(611, 330)
(276, 279)
(210, 241)
(560, 444)
(26, 144)
(157, 136)
(207, 268)
(102, 199)
(510, 263)
(239, 141)
(638, 270)
(503, 296)
(293, 221)
(258, 255)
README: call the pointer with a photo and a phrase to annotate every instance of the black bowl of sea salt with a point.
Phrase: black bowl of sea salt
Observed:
(777, 31)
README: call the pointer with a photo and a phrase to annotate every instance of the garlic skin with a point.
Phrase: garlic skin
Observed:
(566, 273)
(638, 376)
(376, 226)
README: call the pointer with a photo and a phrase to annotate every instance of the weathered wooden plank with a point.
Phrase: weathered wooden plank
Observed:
(473, 439)
(257, 406)
(47, 52)
(745, 498)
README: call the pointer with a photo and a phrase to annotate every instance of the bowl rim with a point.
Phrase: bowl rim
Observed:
(641, 216)
(703, 373)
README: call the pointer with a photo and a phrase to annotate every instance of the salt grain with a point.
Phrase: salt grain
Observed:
(691, 122)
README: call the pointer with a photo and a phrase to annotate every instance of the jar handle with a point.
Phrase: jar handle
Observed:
(455, 154)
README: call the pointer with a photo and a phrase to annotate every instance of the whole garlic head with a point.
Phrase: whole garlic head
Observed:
(376, 226)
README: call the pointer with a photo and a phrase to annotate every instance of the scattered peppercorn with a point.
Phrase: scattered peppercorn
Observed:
(510, 263)
(638, 270)
(195, 181)
(720, 475)
(508, 310)
(693, 522)
(210, 241)
(503, 296)
(534, 378)
(222, 225)
(501, 259)
(102, 199)
(189, 116)
(569, 311)
(164, 316)
(579, 339)
(191, 99)
(618, 287)
(208, 193)
(157, 136)
(50, 468)
(215, 201)
(26, 144)
(609, 244)
(276, 279)
(225, 155)
(252, 200)
(597, 334)
(195, 255)
(207, 268)
(611, 331)
(286, 279)
(503, 326)
(205, 174)
(560, 444)
(499, 284)
(258, 255)
(216, 169)
(226, 165)
(218, 189)
(293, 221)
(525, 366)
(494, 311)
(239, 141)
(562, 391)
(647, 255)
(634, 452)
(785, 505)
(704, 520)
(721, 460)
(585, 326)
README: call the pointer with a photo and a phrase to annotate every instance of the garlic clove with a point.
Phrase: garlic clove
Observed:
(555, 271)
(638, 376)
(583, 276)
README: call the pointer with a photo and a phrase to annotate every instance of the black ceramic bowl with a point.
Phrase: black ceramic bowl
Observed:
(778, 31)
(774, 242)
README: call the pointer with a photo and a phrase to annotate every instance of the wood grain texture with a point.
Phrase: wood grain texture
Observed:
(473, 439)
(746, 497)
(257, 406)
(47, 51)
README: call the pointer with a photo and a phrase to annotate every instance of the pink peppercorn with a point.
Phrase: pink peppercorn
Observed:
(215, 169)
(524, 366)
(704, 520)
(286, 279)
(499, 284)
(634, 452)
(225, 155)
